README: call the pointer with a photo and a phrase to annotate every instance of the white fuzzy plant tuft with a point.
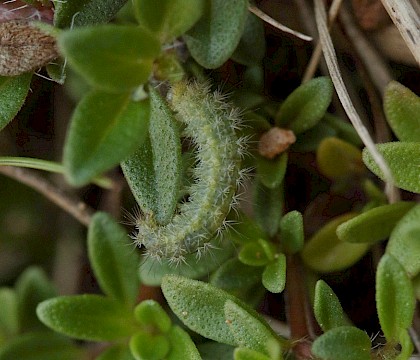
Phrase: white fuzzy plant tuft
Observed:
(210, 122)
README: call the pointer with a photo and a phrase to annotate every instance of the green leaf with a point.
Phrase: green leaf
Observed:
(344, 130)
(168, 19)
(105, 129)
(87, 317)
(112, 258)
(249, 331)
(57, 71)
(291, 232)
(325, 252)
(406, 346)
(13, 91)
(327, 307)
(215, 36)
(150, 314)
(182, 347)
(215, 351)
(373, 225)
(248, 354)
(32, 287)
(200, 306)
(85, 12)
(114, 58)
(116, 352)
(274, 275)
(40, 346)
(344, 343)
(402, 159)
(235, 275)
(271, 172)
(245, 230)
(152, 271)
(404, 242)
(255, 254)
(268, 207)
(402, 108)
(395, 299)
(148, 346)
(306, 105)
(251, 48)
(338, 159)
(9, 317)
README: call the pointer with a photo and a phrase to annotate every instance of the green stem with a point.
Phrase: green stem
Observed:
(46, 165)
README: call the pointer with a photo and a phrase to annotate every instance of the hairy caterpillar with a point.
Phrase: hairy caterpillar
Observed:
(210, 123)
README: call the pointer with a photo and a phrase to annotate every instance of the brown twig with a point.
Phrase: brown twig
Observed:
(75, 207)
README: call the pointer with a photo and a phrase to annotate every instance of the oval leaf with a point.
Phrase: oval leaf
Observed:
(168, 18)
(105, 129)
(344, 343)
(327, 308)
(271, 172)
(40, 346)
(87, 317)
(274, 275)
(248, 330)
(111, 57)
(402, 109)
(85, 12)
(325, 252)
(114, 262)
(148, 346)
(306, 105)
(215, 36)
(402, 159)
(404, 242)
(338, 159)
(395, 299)
(150, 314)
(373, 225)
(13, 91)
(182, 347)
(291, 232)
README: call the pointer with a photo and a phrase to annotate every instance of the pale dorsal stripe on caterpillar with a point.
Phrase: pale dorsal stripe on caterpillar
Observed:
(210, 123)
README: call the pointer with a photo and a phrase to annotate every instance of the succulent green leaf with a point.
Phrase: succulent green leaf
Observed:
(40, 346)
(85, 12)
(215, 36)
(168, 19)
(245, 230)
(244, 353)
(274, 275)
(248, 330)
(327, 308)
(306, 105)
(373, 225)
(268, 207)
(344, 343)
(9, 317)
(291, 232)
(404, 242)
(338, 159)
(87, 317)
(325, 252)
(112, 258)
(105, 129)
(147, 346)
(253, 254)
(271, 172)
(402, 109)
(201, 307)
(116, 352)
(235, 275)
(406, 346)
(152, 271)
(182, 347)
(114, 58)
(32, 287)
(211, 350)
(395, 299)
(13, 91)
(402, 159)
(309, 141)
(150, 314)
(251, 48)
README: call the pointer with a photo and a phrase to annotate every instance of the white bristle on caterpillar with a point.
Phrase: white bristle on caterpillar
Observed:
(210, 123)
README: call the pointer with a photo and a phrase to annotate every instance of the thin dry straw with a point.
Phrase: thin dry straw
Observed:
(332, 63)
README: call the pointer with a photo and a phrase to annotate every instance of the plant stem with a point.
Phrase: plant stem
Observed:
(75, 207)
